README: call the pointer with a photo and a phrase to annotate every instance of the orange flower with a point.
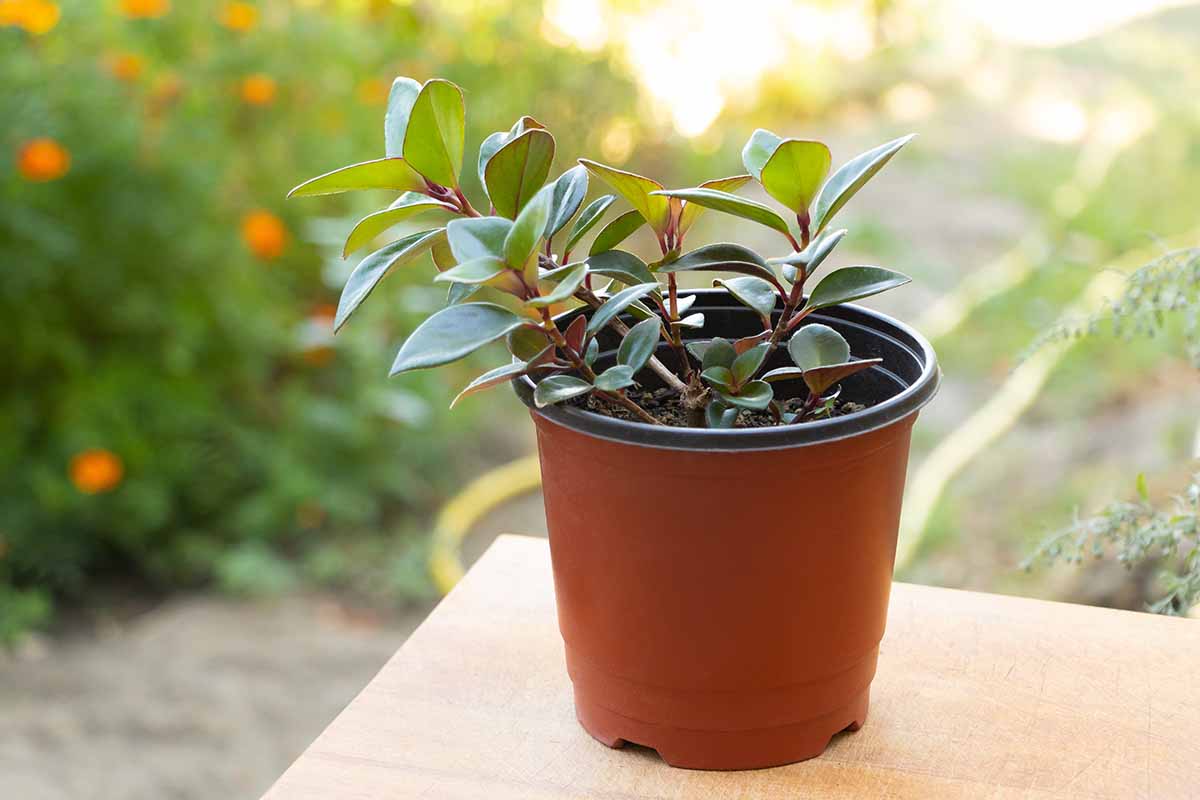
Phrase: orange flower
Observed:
(95, 471)
(323, 314)
(126, 66)
(373, 92)
(258, 90)
(41, 160)
(239, 17)
(145, 9)
(35, 16)
(264, 234)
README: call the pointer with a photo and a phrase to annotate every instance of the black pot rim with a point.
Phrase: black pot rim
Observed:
(901, 405)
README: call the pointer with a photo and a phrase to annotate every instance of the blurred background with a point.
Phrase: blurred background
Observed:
(216, 519)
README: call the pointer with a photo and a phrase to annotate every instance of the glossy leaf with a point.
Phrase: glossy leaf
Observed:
(731, 204)
(692, 211)
(683, 302)
(820, 379)
(477, 270)
(527, 229)
(587, 219)
(492, 377)
(793, 173)
(400, 102)
(719, 353)
(755, 395)
(558, 388)
(378, 265)
(618, 303)
(625, 267)
(783, 374)
(752, 292)
(655, 209)
(812, 256)
(433, 139)
(639, 344)
(853, 283)
(593, 350)
(816, 345)
(490, 146)
(371, 226)
(746, 364)
(845, 182)
(460, 292)
(722, 257)
(758, 151)
(569, 190)
(693, 321)
(476, 237)
(518, 170)
(720, 377)
(575, 333)
(452, 333)
(616, 231)
(615, 378)
(526, 342)
(718, 415)
(565, 289)
(382, 173)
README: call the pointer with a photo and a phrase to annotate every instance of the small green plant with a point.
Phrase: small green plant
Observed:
(510, 252)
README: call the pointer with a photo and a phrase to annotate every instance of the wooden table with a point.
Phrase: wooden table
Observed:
(977, 696)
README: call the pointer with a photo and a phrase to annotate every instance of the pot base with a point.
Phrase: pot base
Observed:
(723, 750)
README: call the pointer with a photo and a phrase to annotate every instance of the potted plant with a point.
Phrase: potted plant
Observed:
(722, 468)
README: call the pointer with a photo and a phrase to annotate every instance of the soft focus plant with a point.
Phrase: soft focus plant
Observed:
(510, 252)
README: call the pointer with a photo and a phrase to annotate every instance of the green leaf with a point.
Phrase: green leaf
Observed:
(526, 342)
(639, 344)
(369, 227)
(618, 303)
(527, 229)
(477, 270)
(720, 377)
(718, 353)
(718, 415)
(849, 178)
(722, 257)
(433, 139)
(655, 209)
(1143, 489)
(492, 377)
(452, 333)
(557, 388)
(616, 231)
(816, 345)
(758, 151)
(382, 173)
(615, 378)
(400, 102)
(750, 291)
(477, 237)
(378, 265)
(820, 379)
(853, 283)
(590, 216)
(491, 145)
(518, 170)
(755, 395)
(564, 290)
(812, 256)
(459, 292)
(569, 190)
(694, 321)
(783, 374)
(731, 204)
(692, 211)
(625, 267)
(745, 365)
(793, 173)
(593, 350)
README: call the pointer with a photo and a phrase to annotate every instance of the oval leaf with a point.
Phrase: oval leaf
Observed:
(812, 256)
(615, 378)
(731, 204)
(433, 138)
(816, 345)
(849, 178)
(527, 229)
(564, 290)
(477, 237)
(378, 265)
(382, 173)
(590, 216)
(452, 333)
(616, 231)
(639, 344)
(745, 365)
(722, 257)
(783, 374)
(755, 395)
(793, 173)
(750, 291)
(720, 377)
(557, 388)
(820, 379)
(618, 303)
(625, 267)
(370, 226)
(400, 102)
(718, 353)
(477, 270)
(719, 415)
(692, 211)
(569, 191)
(492, 377)
(526, 342)
(518, 169)
(853, 283)
(758, 151)
(655, 209)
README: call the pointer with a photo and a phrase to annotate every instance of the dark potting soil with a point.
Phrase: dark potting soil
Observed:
(663, 404)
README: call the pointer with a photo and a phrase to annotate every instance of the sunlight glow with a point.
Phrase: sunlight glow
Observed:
(1039, 23)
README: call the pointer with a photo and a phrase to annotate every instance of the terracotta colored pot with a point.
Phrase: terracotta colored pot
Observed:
(722, 594)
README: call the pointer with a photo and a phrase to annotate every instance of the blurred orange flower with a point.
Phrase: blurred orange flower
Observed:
(35, 16)
(265, 234)
(145, 9)
(324, 313)
(41, 160)
(373, 92)
(239, 16)
(126, 66)
(95, 471)
(258, 90)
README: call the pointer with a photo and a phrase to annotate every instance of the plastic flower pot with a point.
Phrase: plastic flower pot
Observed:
(722, 593)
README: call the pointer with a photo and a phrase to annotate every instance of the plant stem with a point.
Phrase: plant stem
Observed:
(660, 369)
(622, 400)
(464, 205)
